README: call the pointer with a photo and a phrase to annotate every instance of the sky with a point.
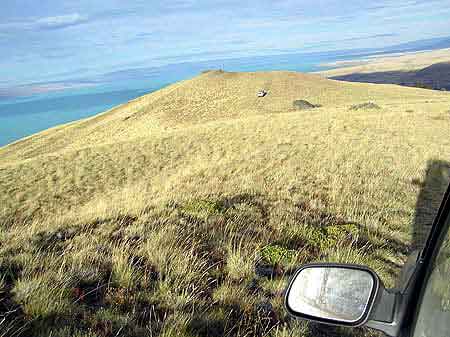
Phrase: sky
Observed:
(47, 41)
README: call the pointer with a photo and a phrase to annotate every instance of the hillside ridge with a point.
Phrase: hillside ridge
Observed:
(210, 96)
(435, 76)
(187, 210)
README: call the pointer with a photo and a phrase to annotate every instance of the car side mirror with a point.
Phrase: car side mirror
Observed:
(333, 293)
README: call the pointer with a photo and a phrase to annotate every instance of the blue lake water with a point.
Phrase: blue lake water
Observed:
(20, 117)
(27, 117)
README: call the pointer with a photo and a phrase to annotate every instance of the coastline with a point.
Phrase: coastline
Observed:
(407, 61)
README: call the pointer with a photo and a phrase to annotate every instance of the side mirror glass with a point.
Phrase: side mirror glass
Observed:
(332, 293)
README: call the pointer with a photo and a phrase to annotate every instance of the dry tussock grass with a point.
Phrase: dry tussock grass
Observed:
(185, 211)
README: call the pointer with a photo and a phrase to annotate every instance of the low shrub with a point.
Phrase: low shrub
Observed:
(275, 255)
(201, 208)
(365, 106)
(302, 104)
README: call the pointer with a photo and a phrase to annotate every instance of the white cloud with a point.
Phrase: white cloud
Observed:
(61, 21)
(45, 23)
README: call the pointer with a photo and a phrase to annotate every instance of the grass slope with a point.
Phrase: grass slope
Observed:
(436, 76)
(389, 63)
(184, 212)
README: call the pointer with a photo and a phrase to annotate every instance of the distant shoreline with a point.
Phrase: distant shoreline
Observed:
(406, 61)
(23, 116)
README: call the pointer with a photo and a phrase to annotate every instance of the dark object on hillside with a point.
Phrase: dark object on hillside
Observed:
(301, 104)
(365, 106)
(261, 93)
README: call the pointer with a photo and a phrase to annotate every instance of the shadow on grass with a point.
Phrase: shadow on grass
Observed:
(432, 190)
(251, 217)
(12, 320)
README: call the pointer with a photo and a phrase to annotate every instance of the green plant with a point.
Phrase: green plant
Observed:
(275, 254)
(330, 236)
(201, 208)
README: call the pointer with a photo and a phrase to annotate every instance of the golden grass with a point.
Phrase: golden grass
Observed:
(173, 214)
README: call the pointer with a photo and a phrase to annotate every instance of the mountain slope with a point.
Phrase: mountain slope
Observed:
(184, 212)
(436, 76)
(164, 130)
(388, 63)
(211, 96)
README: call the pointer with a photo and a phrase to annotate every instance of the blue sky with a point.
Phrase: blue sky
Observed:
(53, 40)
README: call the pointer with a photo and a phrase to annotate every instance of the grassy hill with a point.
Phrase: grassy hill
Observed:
(407, 62)
(427, 69)
(435, 76)
(185, 211)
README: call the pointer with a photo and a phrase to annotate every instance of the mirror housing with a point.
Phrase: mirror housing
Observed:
(336, 294)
